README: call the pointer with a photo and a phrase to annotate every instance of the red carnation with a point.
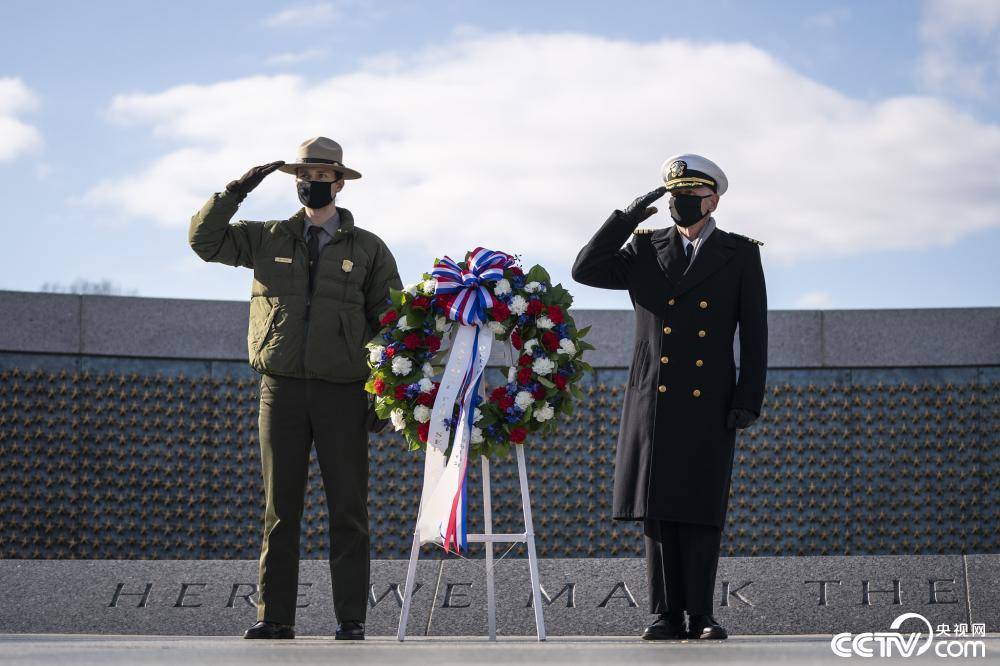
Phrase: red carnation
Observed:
(514, 270)
(422, 431)
(560, 381)
(401, 392)
(506, 401)
(535, 308)
(538, 393)
(524, 360)
(421, 303)
(498, 394)
(550, 340)
(433, 342)
(500, 311)
(556, 314)
(524, 375)
(379, 386)
(517, 435)
(425, 399)
(390, 351)
(515, 339)
(441, 300)
(389, 317)
(411, 340)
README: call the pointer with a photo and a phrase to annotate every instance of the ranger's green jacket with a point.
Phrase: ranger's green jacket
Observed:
(292, 332)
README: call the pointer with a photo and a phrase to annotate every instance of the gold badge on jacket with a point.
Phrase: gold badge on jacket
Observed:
(347, 266)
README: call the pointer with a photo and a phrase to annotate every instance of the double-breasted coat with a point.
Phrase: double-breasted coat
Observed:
(675, 452)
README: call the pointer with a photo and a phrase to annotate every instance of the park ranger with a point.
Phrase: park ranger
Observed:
(691, 285)
(320, 284)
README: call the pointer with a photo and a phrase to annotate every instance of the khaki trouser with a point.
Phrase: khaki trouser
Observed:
(296, 413)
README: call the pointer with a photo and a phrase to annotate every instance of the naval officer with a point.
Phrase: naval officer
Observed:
(691, 285)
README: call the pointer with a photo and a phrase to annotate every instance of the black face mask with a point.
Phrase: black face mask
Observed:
(685, 209)
(315, 193)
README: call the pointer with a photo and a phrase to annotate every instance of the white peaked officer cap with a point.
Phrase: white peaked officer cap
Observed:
(689, 170)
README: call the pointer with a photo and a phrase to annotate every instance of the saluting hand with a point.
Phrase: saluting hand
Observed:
(740, 418)
(252, 178)
(640, 209)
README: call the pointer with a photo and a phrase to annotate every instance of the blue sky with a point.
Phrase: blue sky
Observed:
(517, 124)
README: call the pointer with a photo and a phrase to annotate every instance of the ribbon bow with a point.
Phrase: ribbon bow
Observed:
(469, 299)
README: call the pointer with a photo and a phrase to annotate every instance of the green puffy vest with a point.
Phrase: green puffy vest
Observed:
(355, 273)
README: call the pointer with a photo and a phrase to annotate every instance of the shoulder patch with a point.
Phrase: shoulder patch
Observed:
(643, 232)
(752, 240)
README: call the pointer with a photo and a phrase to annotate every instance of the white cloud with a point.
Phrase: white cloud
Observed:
(814, 299)
(304, 16)
(961, 47)
(294, 57)
(16, 136)
(527, 142)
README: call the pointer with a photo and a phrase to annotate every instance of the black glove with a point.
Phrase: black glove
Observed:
(374, 424)
(639, 210)
(252, 178)
(740, 418)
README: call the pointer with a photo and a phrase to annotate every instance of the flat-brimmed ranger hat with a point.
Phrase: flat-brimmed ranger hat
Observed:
(321, 151)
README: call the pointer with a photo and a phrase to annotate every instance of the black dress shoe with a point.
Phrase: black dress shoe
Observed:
(270, 630)
(705, 627)
(669, 626)
(350, 631)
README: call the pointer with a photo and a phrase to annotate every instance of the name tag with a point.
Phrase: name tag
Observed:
(283, 260)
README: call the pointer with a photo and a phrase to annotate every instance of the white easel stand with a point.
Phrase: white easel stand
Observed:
(488, 538)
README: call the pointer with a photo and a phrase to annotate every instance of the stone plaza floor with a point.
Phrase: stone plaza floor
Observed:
(66, 650)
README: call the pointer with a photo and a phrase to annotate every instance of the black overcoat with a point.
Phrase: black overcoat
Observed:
(675, 454)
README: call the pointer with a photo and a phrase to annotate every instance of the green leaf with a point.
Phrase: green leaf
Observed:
(583, 331)
(546, 383)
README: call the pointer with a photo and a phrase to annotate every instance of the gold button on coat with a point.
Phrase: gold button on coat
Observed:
(703, 305)
(702, 334)
(664, 360)
(699, 363)
(666, 329)
(696, 392)
(662, 388)
(670, 302)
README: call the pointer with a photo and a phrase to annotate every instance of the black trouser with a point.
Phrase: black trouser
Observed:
(295, 414)
(681, 561)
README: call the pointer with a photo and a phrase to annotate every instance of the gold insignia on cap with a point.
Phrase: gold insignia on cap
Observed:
(677, 168)
(348, 265)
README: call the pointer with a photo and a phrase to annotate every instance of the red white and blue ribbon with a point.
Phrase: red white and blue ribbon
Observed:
(469, 297)
(442, 517)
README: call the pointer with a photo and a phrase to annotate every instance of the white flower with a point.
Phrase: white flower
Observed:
(543, 366)
(518, 306)
(523, 399)
(401, 366)
(402, 325)
(397, 418)
(544, 413)
(428, 286)
(440, 324)
(566, 346)
(530, 345)
(544, 322)
(375, 354)
(427, 369)
(426, 385)
(422, 413)
(511, 375)
(412, 289)
(501, 287)
(477, 435)
(497, 328)
(477, 415)
(533, 287)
